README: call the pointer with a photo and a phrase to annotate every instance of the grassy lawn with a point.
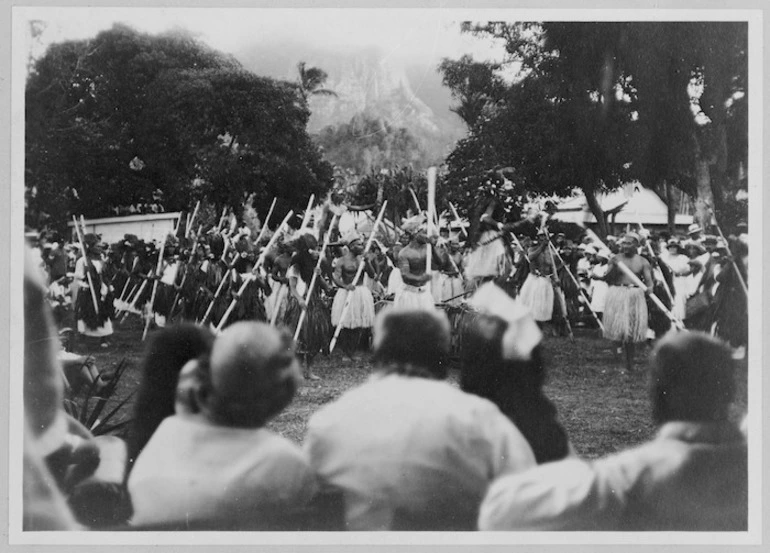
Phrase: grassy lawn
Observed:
(603, 408)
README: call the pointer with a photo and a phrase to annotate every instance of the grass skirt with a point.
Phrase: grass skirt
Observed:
(488, 259)
(360, 311)
(275, 304)
(316, 330)
(445, 287)
(599, 296)
(411, 298)
(537, 294)
(625, 314)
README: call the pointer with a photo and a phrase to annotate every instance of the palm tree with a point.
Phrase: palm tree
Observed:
(310, 82)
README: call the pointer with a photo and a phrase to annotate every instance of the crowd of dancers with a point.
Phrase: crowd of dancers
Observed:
(326, 287)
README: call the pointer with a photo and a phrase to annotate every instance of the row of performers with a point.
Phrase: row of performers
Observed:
(199, 279)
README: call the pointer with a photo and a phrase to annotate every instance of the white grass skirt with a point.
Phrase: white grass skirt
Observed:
(443, 287)
(100, 332)
(599, 296)
(625, 314)
(413, 298)
(395, 282)
(276, 302)
(360, 312)
(488, 259)
(537, 294)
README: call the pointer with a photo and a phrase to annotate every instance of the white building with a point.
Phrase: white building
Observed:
(148, 227)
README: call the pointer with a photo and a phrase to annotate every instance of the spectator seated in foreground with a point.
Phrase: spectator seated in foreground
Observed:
(693, 476)
(167, 352)
(214, 464)
(409, 450)
(501, 360)
(68, 473)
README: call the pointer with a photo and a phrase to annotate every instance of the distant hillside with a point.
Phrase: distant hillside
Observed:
(369, 85)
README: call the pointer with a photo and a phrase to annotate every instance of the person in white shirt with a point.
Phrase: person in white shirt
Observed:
(679, 264)
(213, 462)
(409, 450)
(691, 477)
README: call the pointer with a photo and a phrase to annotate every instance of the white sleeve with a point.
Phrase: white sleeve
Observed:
(571, 494)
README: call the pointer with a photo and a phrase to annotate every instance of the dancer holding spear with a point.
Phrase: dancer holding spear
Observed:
(150, 312)
(93, 312)
(625, 313)
(353, 306)
(305, 302)
(254, 272)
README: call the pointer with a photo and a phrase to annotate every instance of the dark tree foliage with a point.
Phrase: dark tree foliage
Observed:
(126, 117)
(599, 103)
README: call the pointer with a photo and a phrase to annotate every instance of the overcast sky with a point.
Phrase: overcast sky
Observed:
(424, 35)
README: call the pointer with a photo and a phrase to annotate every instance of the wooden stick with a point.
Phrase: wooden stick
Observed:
(359, 271)
(416, 203)
(253, 275)
(267, 220)
(282, 289)
(86, 264)
(306, 216)
(132, 305)
(314, 278)
(636, 280)
(154, 289)
(192, 219)
(730, 253)
(221, 286)
(577, 284)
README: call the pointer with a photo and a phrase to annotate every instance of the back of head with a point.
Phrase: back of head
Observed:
(691, 378)
(483, 366)
(251, 375)
(167, 352)
(412, 342)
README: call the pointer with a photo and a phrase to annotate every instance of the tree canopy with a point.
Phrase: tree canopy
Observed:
(128, 118)
(596, 104)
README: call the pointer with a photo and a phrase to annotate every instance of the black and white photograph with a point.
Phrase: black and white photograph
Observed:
(385, 276)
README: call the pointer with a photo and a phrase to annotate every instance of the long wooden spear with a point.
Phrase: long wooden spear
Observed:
(576, 283)
(730, 253)
(359, 271)
(86, 264)
(192, 219)
(220, 287)
(306, 216)
(314, 278)
(267, 220)
(253, 275)
(636, 280)
(154, 289)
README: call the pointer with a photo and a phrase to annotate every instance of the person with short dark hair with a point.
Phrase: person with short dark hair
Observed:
(166, 353)
(215, 462)
(692, 476)
(409, 450)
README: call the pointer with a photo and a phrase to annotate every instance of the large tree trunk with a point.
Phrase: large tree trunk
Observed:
(704, 200)
(596, 210)
(672, 207)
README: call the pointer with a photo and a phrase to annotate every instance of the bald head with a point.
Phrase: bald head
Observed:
(252, 374)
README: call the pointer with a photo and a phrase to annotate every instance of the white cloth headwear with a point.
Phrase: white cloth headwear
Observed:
(522, 334)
